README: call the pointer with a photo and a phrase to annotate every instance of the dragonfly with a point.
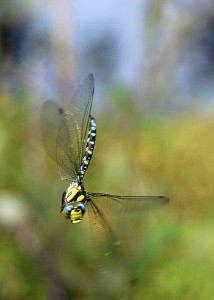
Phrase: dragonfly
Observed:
(73, 133)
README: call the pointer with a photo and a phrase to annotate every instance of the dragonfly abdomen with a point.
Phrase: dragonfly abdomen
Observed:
(89, 148)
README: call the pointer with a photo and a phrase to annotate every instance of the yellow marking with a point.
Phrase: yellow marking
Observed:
(71, 192)
(89, 152)
(80, 198)
(76, 216)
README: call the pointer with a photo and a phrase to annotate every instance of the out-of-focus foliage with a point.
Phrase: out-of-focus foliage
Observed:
(149, 156)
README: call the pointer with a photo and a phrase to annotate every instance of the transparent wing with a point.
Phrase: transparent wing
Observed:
(112, 204)
(68, 149)
(71, 138)
(51, 117)
(111, 255)
(114, 256)
(64, 130)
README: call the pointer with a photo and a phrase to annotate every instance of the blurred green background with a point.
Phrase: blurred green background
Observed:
(155, 137)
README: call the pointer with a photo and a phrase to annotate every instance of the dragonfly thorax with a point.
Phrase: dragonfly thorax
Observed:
(74, 192)
(74, 201)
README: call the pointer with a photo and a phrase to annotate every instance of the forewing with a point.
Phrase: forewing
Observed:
(111, 255)
(64, 130)
(114, 255)
(71, 138)
(51, 117)
(112, 204)
(81, 106)
(68, 147)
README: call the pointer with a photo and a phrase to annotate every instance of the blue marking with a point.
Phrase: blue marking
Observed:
(82, 206)
(67, 210)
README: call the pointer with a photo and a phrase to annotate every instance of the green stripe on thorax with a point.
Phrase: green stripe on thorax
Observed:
(72, 194)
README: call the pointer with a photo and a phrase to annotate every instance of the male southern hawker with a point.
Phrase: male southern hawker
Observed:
(73, 132)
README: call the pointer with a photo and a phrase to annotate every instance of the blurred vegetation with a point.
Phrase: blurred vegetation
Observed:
(42, 255)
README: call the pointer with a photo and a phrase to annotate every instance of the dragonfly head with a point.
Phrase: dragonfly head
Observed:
(74, 212)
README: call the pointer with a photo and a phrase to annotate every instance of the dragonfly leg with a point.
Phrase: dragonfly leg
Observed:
(63, 201)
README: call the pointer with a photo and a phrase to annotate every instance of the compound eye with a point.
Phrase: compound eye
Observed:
(67, 210)
(81, 207)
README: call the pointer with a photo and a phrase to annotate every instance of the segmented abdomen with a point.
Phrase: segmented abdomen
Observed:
(89, 148)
